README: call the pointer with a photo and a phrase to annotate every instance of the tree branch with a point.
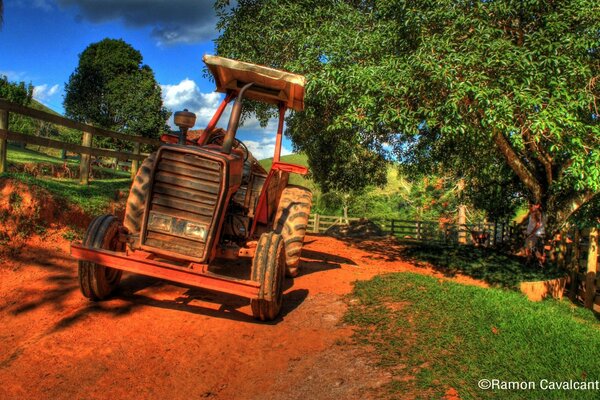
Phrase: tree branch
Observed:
(566, 208)
(518, 166)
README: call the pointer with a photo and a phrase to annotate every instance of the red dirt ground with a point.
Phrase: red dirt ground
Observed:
(156, 340)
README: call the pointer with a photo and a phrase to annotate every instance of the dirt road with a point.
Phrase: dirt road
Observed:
(157, 340)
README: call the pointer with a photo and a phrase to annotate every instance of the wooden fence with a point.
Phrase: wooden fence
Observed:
(428, 231)
(86, 148)
(574, 251)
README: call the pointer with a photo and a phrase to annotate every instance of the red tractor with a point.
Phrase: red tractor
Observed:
(197, 202)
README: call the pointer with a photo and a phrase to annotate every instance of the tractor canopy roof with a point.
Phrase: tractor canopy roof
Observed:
(270, 85)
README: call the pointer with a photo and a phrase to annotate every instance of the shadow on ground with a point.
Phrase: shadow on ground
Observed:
(490, 265)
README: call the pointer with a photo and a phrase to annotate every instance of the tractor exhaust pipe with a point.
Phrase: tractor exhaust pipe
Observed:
(234, 120)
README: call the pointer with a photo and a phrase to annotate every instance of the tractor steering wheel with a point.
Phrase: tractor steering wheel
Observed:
(218, 139)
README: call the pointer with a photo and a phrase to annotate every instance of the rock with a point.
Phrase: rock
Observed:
(362, 228)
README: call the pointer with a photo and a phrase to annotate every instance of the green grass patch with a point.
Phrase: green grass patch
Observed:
(19, 155)
(94, 198)
(490, 265)
(444, 335)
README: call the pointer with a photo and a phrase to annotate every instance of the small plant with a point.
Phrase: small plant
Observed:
(15, 200)
(71, 235)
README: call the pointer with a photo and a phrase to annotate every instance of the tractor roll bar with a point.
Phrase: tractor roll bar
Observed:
(234, 120)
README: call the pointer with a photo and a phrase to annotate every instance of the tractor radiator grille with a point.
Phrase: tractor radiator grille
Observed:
(185, 195)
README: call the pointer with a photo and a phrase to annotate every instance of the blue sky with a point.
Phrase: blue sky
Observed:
(41, 40)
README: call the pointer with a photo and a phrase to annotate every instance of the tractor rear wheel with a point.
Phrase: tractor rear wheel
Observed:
(268, 268)
(291, 222)
(96, 281)
(134, 210)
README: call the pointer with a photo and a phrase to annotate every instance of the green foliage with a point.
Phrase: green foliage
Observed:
(113, 89)
(500, 94)
(19, 93)
(433, 335)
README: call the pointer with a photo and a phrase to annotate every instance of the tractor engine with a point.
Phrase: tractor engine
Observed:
(240, 213)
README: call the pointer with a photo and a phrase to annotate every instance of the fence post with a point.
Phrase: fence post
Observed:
(574, 265)
(418, 224)
(3, 142)
(135, 164)
(462, 220)
(392, 229)
(84, 162)
(317, 223)
(592, 268)
(562, 249)
(495, 239)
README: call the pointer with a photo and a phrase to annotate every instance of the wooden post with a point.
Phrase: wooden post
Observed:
(84, 162)
(135, 164)
(392, 228)
(3, 142)
(317, 223)
(418, 224)
(592, 268)
(574, 265)
(495, 239)
(462, 220)
(562, 249)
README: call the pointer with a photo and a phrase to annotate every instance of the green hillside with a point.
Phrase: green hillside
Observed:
(295, 179)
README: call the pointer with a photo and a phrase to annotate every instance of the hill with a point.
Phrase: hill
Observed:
(295, 179)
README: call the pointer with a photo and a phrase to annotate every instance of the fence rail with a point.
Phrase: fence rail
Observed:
(86, 149)
(482, 234)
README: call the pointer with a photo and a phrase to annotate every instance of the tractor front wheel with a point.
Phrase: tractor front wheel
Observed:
(96, 281)
(268, 268)
(291, 222)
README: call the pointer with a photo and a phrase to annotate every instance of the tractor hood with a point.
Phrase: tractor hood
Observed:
(270, 85)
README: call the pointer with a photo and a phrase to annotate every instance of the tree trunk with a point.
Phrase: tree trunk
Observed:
(592, 268)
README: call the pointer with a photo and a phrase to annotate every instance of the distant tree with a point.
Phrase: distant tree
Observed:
(113, 89)
(509, 86)
(20, 93)
(341, 162)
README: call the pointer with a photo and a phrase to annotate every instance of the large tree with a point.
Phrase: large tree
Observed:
(495, 92)
(113, 89)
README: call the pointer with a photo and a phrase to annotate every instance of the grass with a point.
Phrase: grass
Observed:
(492, 266)
(433, 335)
(94, 198)
(18, 155)
(295, 179)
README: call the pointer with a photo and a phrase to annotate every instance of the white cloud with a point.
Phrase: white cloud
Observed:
(187, 95)
(45, 92)
(42, 4)
(261, 151)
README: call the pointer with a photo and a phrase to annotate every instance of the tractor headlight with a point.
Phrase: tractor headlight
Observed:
(196, 231)
(160, 222)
